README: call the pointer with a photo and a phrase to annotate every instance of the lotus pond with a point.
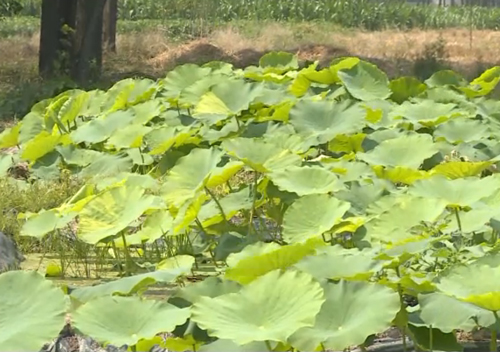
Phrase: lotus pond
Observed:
(281, 207)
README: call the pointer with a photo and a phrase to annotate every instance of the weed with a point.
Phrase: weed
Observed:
(432, 59)
(19, 197)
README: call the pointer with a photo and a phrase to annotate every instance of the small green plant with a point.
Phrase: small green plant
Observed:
(432, 59)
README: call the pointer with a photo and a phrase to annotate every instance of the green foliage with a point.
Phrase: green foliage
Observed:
(368, 14)
(46, 311)
(20, 197)
(321, 198)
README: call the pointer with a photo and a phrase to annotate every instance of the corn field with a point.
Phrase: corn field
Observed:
(366, 14)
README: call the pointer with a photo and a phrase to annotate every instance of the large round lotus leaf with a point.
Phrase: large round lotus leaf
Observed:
(210, 213)
(404, 88)
(129, 92)
(188, 212)
(362, 195)
(250, 268)
(271, 308)
(101, 128)
(260, 155)
(9, 136)
(409, 151)
(107, 165)
(191, 95)
(474, 220)
(161, 139)
(408, 211)
(446, 78)
(424, 111)
(306, 180)
(435, 339)
(146, 111)
(462, 130)
(128, 137)
(343, 143)
(461, 169)
(32, 311)
(448, 313)
(210, 287)
(156, 225)
(77, 156)
(400, 174)
(44, 222)
(222, 174)
(483, 84)
(183, 77)
(458, 192)
(365, 82)
(131, 284)
(111, 211)
(477, 282)
(41, 145)
(32, 124)
(413, 245)
(311, 216)
(338, 263)
(189, 175)
(225, 99)
(125, 320)
(281, 61)
(346, 318)
(251, 250)
(325, 119)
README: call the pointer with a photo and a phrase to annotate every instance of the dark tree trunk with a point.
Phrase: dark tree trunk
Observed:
(109, 26)
(71, 39)
(87, 57)
(58, 17)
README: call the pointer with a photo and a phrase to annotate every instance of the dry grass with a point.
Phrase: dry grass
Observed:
(395, 51)
(308, 40)
(151, 53)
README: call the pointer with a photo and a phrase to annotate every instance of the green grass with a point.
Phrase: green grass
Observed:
(18, 197)
(367, 14)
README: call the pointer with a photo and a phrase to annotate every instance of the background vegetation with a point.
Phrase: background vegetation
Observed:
(366, 14)
(153, 38)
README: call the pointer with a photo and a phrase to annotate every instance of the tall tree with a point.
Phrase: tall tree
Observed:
(109, 26)
(58, 17)
(71, 39)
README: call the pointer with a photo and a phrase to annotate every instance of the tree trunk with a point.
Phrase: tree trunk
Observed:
(71, 39)
(87, 57)
(109, 26)
(58, 17)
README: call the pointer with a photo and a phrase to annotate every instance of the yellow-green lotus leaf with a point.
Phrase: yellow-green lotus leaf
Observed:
(311, 216)
(400, 174)
(461, 169)
(9, 137)
(457, 192)
(189, 175)
(222, 174)
(248, 269)
(347, 143)
(111, 211)
(306, 180)
(489, 301)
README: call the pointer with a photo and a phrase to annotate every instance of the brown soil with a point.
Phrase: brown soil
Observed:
(151, 53)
